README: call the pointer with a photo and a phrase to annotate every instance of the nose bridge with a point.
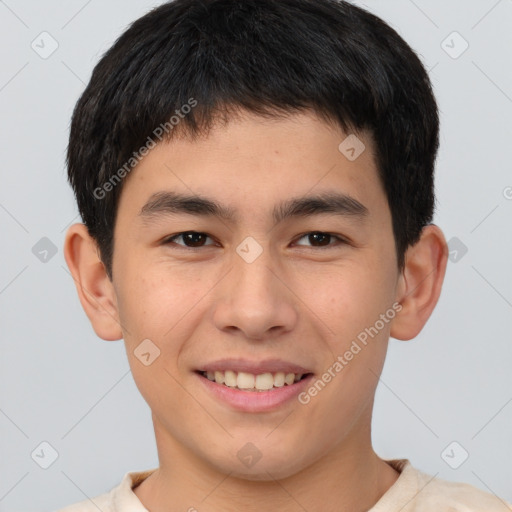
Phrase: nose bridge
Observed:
(252, 275)
(254, 300)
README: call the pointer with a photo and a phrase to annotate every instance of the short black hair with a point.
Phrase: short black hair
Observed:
(269, 57)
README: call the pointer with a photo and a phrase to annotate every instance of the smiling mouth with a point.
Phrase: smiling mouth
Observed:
(244, 381)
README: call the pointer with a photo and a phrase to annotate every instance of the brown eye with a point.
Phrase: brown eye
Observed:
(321, 239)
(190, 239)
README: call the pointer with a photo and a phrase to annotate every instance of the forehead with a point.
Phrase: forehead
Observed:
(252, 164)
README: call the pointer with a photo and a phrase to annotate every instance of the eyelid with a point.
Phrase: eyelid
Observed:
(339, 239)
(170, 239)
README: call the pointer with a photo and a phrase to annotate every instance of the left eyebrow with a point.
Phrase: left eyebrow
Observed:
(328, 202)
(167, 202)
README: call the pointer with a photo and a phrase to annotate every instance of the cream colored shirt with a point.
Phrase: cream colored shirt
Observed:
(413, 491)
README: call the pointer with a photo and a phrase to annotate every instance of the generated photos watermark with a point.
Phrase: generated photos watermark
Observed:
(343, 360)
(158, 132)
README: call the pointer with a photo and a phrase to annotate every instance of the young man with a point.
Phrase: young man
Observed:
(256, 183)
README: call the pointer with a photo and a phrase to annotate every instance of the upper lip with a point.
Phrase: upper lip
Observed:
(254, 367)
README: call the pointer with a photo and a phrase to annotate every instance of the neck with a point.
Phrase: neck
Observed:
(353, 478)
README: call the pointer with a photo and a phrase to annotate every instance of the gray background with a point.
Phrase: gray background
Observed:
(63, 385)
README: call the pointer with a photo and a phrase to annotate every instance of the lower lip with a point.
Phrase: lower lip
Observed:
(255, 401)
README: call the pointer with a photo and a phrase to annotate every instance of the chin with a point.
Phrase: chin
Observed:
(266, 469)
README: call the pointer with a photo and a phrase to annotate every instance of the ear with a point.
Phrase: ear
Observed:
(94, 287)
(420, 283)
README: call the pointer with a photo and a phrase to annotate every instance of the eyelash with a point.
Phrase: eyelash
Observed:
(340, 240)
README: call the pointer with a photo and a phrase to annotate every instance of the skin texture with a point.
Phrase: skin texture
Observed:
(299, 302)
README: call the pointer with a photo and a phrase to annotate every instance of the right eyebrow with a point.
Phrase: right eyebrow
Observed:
(161, 203)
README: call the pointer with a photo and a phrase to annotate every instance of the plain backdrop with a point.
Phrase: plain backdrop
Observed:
(444, 397)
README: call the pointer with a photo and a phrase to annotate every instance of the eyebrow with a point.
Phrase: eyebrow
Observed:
(167, 203)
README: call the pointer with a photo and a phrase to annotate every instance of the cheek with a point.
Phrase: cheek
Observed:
(359, 343)
(153, 307)
(142, 304)
(351, 299)
(357, 352)
(159, 303)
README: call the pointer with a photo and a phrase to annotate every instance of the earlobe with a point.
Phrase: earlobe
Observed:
(95, 290)
(420, 283)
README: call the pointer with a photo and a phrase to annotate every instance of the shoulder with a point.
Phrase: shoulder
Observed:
(434, 493)
(417, 491)
(118, 499)
(102, 502)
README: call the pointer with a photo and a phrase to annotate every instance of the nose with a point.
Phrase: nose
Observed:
(254, 299)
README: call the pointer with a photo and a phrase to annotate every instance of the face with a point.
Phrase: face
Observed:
(281, 275)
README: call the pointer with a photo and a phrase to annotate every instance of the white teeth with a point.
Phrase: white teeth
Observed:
(230, 378)
(245, 380)
(279, 380)
(264, 381)
(289, 379)
(250, 382)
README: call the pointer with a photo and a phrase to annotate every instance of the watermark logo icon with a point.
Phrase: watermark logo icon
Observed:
(352, 147)
(457, 249)
(249, 249)
(454, 45)
(44, 455)
(44, 45)
(455, 455)
(44, 250)
(249, 455)
(146, 352)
